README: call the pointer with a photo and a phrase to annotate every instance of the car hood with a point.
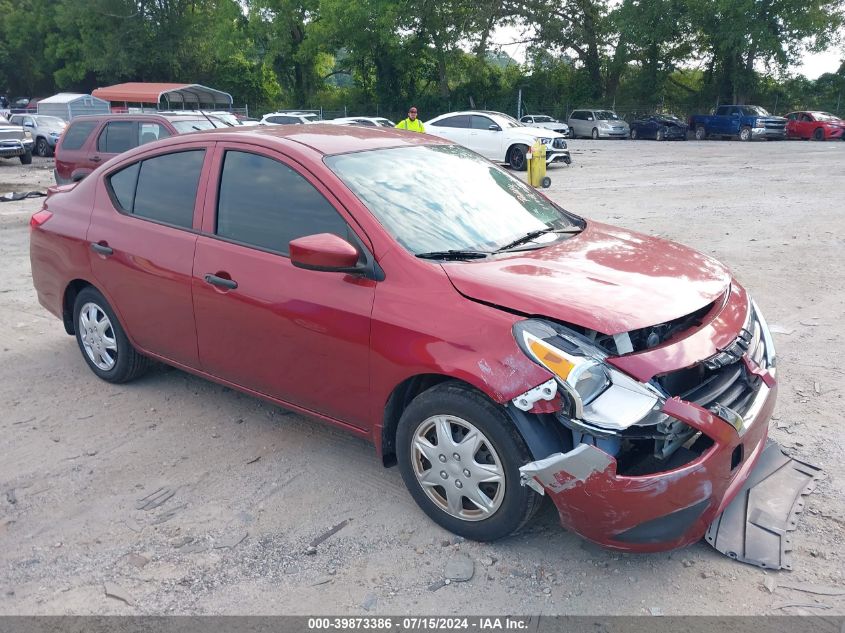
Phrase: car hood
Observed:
(605, 279)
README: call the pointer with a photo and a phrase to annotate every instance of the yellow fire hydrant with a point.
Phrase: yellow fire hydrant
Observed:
(536, 157)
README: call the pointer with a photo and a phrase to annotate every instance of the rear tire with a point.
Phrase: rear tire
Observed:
(633, 134)
(26, 159)
(661, 135)
(436, 423)
(700, 134)
(595, 134)
(102, 340)
(517, 159)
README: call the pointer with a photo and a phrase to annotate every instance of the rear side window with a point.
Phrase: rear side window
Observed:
(118, 137)
(163, 188)
(267, 204)
(77, 134)
(461, 121)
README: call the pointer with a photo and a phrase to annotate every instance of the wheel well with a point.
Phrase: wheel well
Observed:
(398, 401)
(508, 153)
(73, 289)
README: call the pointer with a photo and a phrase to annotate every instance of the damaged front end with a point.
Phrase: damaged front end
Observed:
(666, 423)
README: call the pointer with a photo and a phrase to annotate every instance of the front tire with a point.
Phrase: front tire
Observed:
(633, 134)
(41, 147)
(26, 159)
(745, 134)
(517, 159)
(102, 341)
(459, 456)
(818, 134)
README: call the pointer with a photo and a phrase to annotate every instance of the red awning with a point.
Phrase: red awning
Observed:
(169, 94)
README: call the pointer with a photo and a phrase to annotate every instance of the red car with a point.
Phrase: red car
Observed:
(821, 126)
(496, 346)
(91, 140)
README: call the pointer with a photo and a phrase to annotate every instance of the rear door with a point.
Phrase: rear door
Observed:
(455, 128)
(143, 234)
(297, 335)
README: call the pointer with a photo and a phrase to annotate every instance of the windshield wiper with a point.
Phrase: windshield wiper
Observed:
(534, 235)
(453, 254)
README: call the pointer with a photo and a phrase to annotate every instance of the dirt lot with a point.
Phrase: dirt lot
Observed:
(255, 485)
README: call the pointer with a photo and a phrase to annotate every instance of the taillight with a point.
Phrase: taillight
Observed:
(39, 218)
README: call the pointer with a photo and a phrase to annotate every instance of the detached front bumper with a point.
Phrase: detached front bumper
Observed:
(660, 511)
(558, 156)
(768, 133)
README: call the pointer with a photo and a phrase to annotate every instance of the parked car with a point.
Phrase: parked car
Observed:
(92, 140)
(403, 288)
(660, 127)
(289, 118)
(747, 122)
(499, 137)
(15, 141)
(597, 124)
(820, 126)
(367, 121)
(45, 129)
(546, 122)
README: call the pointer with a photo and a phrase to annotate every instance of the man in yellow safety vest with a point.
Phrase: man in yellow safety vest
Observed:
(411, 123)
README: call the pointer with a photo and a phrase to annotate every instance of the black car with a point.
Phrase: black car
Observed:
(661, 127)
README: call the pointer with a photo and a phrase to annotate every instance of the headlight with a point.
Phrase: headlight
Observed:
(545, 141)
(599, 394)
(27, 134)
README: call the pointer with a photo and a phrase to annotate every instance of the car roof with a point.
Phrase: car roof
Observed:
(325, 138)
(139, 115)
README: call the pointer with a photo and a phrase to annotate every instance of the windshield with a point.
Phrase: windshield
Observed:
(385, 123)
(543, 119)
(606, 115)
(448, 198)
(825, 116)
(754, 110)
(506, 121)
(52, 121)
(193, 125)
(3, 121)
(313, 118)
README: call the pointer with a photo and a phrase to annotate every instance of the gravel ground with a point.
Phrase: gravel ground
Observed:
(254, 486)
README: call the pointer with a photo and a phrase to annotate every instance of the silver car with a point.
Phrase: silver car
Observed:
(547, 122)
(597, 124)
(45, 129)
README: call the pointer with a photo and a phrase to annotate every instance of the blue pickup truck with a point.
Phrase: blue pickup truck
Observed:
(744, 121)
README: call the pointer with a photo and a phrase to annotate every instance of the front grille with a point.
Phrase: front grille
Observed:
(723, 380)
(775, 125)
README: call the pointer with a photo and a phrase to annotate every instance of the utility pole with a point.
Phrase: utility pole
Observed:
(519, 104)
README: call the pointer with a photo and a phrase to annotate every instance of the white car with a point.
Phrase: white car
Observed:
(368, 121)
(546, 122)
(498, 137)
(289, 118)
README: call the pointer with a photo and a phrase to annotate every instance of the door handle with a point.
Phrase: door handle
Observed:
(96, 159)
(102, 249)
(214, 280)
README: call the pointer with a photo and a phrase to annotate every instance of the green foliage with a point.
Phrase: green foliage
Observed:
(382, 55)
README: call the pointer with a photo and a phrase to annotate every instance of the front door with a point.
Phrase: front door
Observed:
(485, 141)
(297, 335)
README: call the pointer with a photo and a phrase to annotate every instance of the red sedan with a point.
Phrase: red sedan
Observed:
(821, 126)
(496, 346)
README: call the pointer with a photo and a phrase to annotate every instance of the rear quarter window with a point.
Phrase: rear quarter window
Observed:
(77, 134)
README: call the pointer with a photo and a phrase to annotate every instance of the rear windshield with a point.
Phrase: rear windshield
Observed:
(77, 134)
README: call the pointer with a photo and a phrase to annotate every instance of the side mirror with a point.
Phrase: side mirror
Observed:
(29, 124)
(589, 118)
(325, 252)
(494, 128)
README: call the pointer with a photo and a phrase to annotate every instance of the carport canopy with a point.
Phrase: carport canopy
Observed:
(184, 95)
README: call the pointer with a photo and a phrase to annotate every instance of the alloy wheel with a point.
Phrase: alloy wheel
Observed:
(98, 337)
(458, 468)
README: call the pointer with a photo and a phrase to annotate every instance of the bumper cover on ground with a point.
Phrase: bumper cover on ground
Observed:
(755, 528)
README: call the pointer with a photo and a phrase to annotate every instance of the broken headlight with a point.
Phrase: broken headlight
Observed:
(598, 393)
